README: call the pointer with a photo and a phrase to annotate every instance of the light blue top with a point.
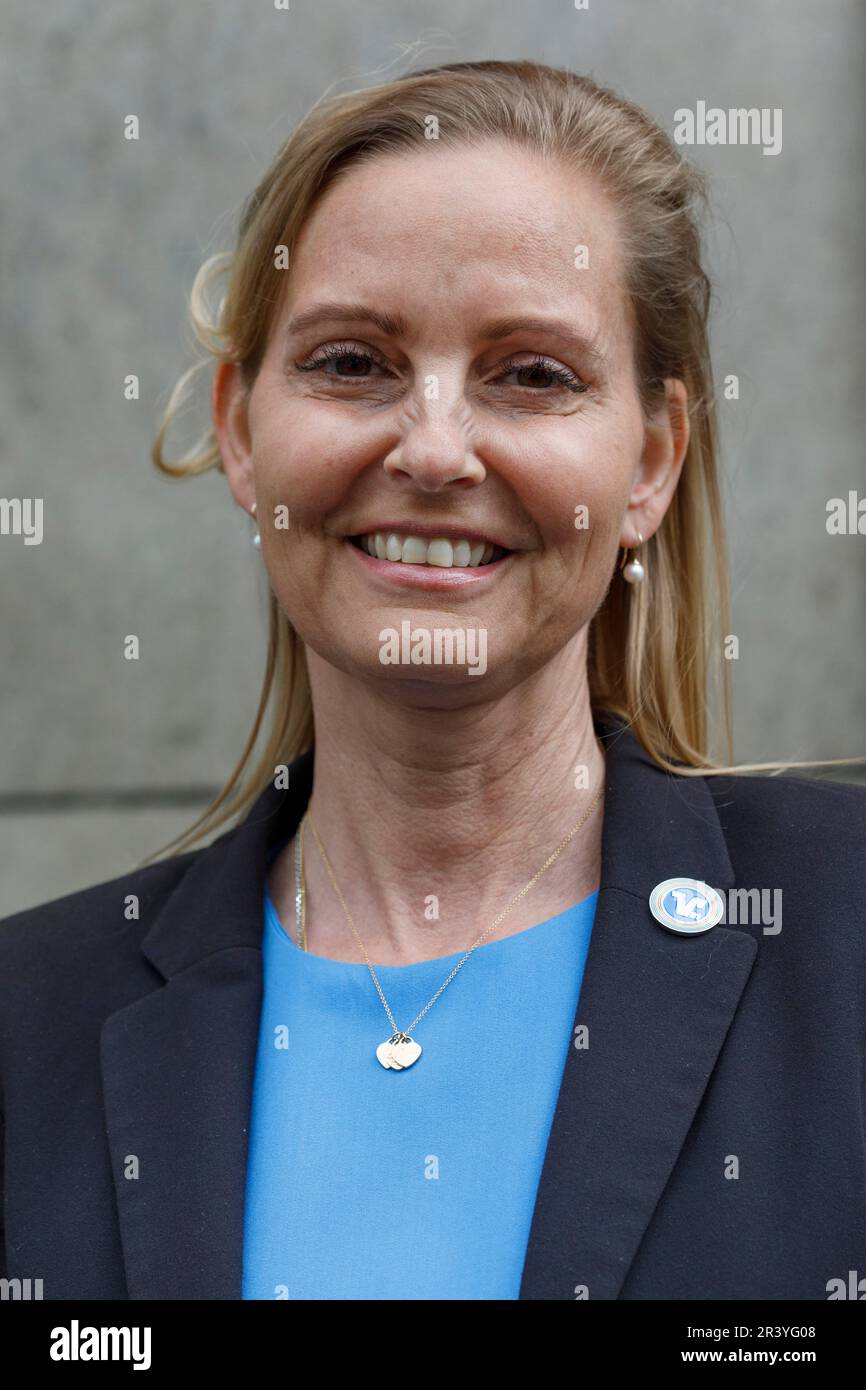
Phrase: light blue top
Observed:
(367, 1183)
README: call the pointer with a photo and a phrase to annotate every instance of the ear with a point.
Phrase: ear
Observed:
(666, 439)
(230, 412)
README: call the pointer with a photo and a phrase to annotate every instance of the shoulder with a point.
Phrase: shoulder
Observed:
(797, 847)
(68, 964)
(783, 815)
(70, 929)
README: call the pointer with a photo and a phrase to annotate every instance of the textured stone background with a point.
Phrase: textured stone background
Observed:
(102, 760)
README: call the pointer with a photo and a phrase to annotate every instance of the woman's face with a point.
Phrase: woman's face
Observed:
(448, 365)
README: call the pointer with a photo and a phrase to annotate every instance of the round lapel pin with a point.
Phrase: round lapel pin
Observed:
(686, 906)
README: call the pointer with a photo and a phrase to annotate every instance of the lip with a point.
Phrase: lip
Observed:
(429, 532)
(429, 576)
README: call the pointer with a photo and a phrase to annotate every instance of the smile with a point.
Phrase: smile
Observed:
(439, 563)
(441, 551)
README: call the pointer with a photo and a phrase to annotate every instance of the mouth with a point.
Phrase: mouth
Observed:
(434, 562)
(437, 552)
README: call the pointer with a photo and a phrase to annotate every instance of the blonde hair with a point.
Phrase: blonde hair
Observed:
(655, 648)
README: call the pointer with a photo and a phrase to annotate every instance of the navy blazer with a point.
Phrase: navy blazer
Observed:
(707, 1143)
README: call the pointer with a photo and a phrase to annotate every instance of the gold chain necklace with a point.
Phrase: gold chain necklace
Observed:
(400, 1050)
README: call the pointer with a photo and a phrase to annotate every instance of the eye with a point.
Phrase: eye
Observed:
(358, 360)
(540, 367)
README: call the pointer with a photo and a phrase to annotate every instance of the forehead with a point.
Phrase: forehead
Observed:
(447, 234)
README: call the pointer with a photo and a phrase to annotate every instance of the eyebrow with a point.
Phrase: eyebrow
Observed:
(395, 326)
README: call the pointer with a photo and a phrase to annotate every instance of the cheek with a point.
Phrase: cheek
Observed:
(303, 456)
(574, 482)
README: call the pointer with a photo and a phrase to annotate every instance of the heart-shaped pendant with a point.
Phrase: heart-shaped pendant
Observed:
(405, 1052)
(383, 1052)
(399, 1052)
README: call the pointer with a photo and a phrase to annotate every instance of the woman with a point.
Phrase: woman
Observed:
(499, 989)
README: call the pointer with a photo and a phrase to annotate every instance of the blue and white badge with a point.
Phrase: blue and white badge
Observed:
(686, 906)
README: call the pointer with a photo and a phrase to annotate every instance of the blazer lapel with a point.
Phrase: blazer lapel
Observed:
(656, 1007)
(178, 1066)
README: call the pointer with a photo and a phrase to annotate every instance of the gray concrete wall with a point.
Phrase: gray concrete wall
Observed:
(102, 237)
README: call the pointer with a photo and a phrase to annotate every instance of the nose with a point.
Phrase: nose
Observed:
(435, 449)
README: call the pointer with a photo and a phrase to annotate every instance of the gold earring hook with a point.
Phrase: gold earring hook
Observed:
(627, 548)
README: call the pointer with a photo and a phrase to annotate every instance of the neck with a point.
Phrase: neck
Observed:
(434, 818)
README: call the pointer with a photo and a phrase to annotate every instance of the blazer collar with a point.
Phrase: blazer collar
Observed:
(178, 1063)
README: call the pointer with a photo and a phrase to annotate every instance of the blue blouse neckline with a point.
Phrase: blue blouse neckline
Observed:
(274, 922)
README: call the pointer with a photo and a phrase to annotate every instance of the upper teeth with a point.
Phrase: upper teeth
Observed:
(414, 550)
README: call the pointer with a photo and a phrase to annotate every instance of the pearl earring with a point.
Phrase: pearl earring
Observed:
(633, 572)
(257, 540)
